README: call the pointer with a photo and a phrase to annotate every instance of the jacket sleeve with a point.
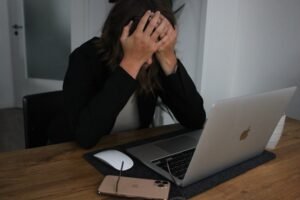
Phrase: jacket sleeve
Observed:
(91, 109)
(180, 95)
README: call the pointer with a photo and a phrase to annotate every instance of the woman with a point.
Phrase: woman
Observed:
(125, 71)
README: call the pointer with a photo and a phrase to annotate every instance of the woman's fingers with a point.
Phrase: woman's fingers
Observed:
(168, 40)
(162, 43)
(160, 31)
(158, 36)
(125, 33)
(141, 25)
(153, 23)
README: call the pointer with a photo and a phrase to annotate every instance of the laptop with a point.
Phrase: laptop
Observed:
(236, 130)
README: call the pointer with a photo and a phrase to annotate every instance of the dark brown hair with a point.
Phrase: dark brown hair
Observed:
(109, 45)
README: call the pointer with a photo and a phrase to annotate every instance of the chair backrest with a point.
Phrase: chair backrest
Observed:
(39, 110)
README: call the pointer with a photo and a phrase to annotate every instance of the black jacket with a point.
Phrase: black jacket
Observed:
(94, 96)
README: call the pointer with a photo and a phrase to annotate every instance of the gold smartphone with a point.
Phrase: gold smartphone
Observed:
(134, 187)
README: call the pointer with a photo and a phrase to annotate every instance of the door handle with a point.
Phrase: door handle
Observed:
(16, 27)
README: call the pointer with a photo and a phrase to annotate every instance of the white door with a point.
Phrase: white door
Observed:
(40, 42)
(39, 58)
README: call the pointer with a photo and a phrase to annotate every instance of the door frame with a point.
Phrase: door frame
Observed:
(83, 26)
(23, 85)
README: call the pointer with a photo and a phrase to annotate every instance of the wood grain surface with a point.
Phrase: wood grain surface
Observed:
(60, 172)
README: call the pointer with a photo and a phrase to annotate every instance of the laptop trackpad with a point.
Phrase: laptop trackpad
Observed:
(176, 144)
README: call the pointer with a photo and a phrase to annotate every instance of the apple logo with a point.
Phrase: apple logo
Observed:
(245, 134)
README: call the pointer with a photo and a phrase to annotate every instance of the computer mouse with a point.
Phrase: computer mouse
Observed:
(114, 158)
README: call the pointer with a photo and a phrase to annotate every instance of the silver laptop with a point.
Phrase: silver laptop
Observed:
(237, 129)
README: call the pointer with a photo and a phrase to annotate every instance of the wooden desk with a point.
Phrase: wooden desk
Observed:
(60, 172)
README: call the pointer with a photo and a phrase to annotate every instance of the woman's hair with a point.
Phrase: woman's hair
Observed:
(109, 45)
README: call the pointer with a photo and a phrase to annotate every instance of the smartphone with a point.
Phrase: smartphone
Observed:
(134, 187)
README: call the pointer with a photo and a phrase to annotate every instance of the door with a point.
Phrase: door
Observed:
(41, 43)
(69, 23)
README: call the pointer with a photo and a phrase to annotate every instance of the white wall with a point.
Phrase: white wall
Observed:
(269, 39)
(189, 47)
(6, 83)
(87, 20)
(251, 46)
(219, 50)
(188, 41)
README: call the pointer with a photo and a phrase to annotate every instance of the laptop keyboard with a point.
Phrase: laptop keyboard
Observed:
(178, 163)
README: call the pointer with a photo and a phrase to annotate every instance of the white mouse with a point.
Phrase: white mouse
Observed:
(114, 158)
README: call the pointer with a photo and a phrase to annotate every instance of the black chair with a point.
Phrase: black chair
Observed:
(39, 112)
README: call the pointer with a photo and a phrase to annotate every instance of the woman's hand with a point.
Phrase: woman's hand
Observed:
(141, 45)
(166, 51)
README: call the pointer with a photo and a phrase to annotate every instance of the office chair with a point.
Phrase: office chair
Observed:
(39, 111)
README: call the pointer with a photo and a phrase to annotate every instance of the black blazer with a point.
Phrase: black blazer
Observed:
(94, 96)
